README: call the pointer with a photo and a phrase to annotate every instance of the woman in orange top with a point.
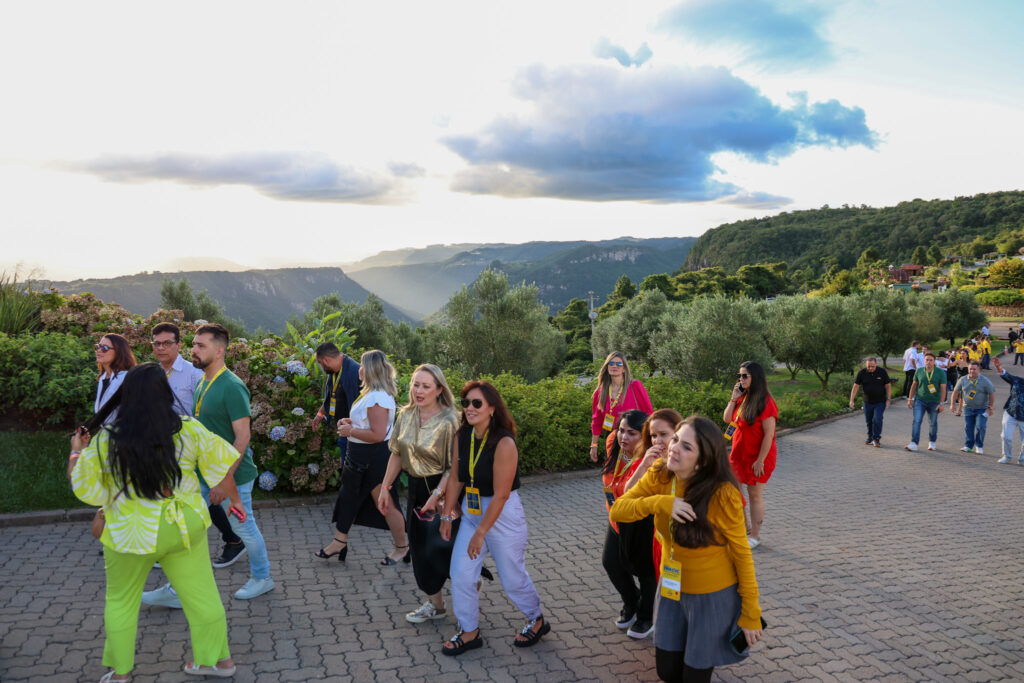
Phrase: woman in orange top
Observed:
(627, 547)
(751, 416)
(708, 583)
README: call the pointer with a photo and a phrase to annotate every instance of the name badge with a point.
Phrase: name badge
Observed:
(334, 406)
(609, 422)
(730, 430)
(671, 578)
(473, 500)
(971, 394)
(931, 388)
(609, 495)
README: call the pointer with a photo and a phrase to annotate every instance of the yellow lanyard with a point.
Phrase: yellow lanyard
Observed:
(330, 394)
(928, 375)
(671, 541)
(620, 464)
(204, 387)
(474, 457)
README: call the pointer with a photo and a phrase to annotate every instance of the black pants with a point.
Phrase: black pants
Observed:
(220, 520)
(671, 668)
(908, 379)
(642, 598)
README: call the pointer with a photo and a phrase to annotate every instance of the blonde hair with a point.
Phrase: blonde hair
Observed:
(604, 378)
(378, 373)
(446, 398)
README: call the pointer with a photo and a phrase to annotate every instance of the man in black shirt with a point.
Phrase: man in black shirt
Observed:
(340, 389)
(877, 397)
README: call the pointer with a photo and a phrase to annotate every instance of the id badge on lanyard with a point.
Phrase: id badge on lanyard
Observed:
(334, 406)
(609, 422)
(730, 429)
(671, 578)
(473, 500)
(931, 388)
(609, 495)
(971, 394)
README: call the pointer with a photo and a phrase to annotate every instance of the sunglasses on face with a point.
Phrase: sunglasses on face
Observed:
(163, 344)
(102, 347)
(742, 376)
(616, 363)
(476, 403)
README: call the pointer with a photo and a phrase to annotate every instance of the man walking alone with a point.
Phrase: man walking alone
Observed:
(877, 397)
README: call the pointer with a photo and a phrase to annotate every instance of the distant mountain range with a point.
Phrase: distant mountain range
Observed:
(413, 283)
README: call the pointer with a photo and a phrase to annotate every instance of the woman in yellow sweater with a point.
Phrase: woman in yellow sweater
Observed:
(708, 586)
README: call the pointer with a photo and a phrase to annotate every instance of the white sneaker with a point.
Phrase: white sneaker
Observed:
(965, 449)
(1021, 460)
(977, 449)
(931, 445)
(425, 612)
(911, 447)
(255, 587)
(164, 596)
(1002, 461)
(753, 542)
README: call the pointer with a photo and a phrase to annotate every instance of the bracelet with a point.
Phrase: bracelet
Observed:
(387, 487)
(74, 454)
(447, 518)
(436, 492)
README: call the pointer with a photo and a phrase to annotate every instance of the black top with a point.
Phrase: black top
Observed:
(346, 388)
(873, 383)
(483, 473)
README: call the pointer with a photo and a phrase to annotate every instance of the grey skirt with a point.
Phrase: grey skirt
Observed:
(700, 626)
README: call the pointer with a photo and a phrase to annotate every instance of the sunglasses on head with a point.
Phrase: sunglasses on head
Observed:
(102, 347)
(742, 375)
(617, 363)
(476, 403)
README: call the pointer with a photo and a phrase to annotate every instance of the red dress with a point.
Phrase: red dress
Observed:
(746, 444)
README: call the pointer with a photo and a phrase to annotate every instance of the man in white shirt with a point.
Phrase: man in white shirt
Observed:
(984, 330)
(910, 366)
(181, 375)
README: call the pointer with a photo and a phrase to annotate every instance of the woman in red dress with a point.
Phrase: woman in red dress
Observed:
(750, 417)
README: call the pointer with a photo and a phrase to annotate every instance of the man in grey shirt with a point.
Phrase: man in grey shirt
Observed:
(978, 397)
(181, 374)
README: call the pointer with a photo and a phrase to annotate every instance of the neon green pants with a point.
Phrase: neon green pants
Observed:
(190, 573)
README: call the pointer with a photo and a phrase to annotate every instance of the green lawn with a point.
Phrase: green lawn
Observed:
(35, 472)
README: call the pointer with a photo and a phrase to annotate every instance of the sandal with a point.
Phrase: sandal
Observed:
(341, 553)
(109, 677)
(532, 637)
(388, 562)
(196, 670)
(460, 645)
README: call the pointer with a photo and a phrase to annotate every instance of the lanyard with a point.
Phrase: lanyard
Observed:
(475, 457)
(204, 386)
(620, 463)
(330, 393)
(618, 398)
(672, 541)
(928, 375)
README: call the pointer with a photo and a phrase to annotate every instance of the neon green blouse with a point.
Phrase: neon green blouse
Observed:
(132, 523)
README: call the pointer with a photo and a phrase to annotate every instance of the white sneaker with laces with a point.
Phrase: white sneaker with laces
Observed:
(931, 445)
(977, 449)
(1005, 459)
(911, 447)
(425, 612)
(753, 542)
(255, 587)
(164, 596)
(965, 449)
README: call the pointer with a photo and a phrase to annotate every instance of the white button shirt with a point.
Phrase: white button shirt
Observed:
(184, 378)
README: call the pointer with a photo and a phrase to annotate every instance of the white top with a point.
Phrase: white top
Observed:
(360, 420)
(184, 378)
(941, 362)
(104, 396)
(909, 359)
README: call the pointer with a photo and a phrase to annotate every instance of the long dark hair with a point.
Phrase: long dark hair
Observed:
(757, 395)
(124, 359)
(141, 447)
(665, 415)
(502, 423)
(713, 470)
(635, 419)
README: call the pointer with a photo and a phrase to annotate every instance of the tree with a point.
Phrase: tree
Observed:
(632, 328)
(920, 256)
(782, 332)
(934, 254)
(709, 338)
(959, 314)
(957, 277)
(660, 281)
(832, 335)
(886, 315)
(574, 322)
(178, 296)
(842, 282)
(763, 279)
(926, 315)
(493, 328)
(624, 291)
(1008, 272)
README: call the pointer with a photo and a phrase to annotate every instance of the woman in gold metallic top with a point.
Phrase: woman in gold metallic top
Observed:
(421, 444)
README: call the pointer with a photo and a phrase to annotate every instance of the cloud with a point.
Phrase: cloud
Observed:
(606, 49)
(600, 133)
(288, 176)
(766, 33)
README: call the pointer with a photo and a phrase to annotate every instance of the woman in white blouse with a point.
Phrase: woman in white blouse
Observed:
(368, 429)
(114, 358)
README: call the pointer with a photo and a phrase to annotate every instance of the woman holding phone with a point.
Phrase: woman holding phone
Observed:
(421, 445)
(750, 416)
(708, 587)
(616, 393)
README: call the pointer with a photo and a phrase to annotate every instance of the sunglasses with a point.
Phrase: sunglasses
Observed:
(617, 363)
(163, 344)
(102, 347)
(742, 376)
(476, 403)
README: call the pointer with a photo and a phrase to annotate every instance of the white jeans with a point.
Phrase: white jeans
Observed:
(506, 542)
(1011, 425)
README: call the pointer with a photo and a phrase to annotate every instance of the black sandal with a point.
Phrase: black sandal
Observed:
(388, 562)
(461, 645)
(532, 637)
(341, 553)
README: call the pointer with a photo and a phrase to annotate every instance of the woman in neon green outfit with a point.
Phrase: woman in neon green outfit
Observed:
(142, 470)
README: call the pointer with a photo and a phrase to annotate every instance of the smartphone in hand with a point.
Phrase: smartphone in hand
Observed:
(240, 514)
(429, 517)
(738, 640)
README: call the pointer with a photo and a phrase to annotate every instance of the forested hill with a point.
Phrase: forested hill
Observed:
(968, 225)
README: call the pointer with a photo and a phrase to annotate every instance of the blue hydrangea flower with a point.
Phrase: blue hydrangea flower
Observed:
(279, 379)
(298, 411)
(296, 367)
(267, 481)
(313, 468)
(277, 433)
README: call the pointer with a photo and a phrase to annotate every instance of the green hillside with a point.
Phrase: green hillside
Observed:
(803, 238)
(259, 298)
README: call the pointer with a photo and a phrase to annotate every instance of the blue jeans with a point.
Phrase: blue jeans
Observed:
(920, 408)
(975, 420)
(873, 414)
(259, 561)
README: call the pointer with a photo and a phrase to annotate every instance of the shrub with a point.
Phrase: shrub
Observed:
(1000, 297)
(48, 378)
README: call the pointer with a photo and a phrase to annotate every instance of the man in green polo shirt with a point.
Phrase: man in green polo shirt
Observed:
(927, 394)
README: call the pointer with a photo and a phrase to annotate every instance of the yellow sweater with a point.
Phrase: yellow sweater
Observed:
(707, 569)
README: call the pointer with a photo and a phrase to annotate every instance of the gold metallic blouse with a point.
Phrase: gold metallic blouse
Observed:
(426, 450)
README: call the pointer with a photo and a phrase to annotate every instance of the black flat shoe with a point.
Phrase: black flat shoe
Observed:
(341, 553)
(388, 562)
(461, 646)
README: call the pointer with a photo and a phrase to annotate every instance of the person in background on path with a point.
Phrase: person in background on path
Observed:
(422, 444)
(977, 396)
(708, 585)
(340, 389)
(984, 330)
(627, 547)
(751, 416)
(1011, 336)
(114, 358)
(877, 397)
(486, 462)
(142, 470)
(909, 366)
(1018, 350)
(616, 393)
(368, 429)
(222, 406)
(1013, 414)
(985, 346)
(181, 375)
(928, 393)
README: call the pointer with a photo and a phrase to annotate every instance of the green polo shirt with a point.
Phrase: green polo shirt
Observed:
(225, 400)
(937, 381)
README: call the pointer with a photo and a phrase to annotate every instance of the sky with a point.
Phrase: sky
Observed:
(273, 134)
